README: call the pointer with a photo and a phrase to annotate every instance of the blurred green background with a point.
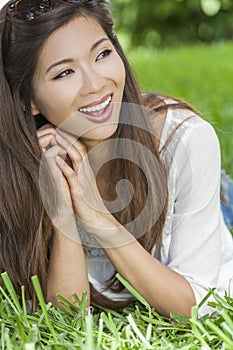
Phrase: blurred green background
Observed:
(168, 22)
(184, 48)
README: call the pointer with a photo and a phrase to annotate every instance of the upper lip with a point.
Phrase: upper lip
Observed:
(96, 102)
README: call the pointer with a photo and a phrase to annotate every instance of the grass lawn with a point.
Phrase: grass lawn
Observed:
(202, 75)
(137, 327)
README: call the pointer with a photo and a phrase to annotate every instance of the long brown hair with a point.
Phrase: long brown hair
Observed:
(25, 228)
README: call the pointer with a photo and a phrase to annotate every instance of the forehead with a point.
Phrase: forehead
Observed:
(72, 39)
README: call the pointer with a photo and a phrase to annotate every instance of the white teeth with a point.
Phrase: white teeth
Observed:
(97, 107)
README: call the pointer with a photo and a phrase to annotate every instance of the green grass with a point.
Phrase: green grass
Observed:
(135, 327)
(200, 74)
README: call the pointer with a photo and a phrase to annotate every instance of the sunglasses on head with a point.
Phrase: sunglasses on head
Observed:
(29, 9)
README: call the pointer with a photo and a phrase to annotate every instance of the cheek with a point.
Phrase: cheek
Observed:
(120, 73)
(51, 104)
(114, 70)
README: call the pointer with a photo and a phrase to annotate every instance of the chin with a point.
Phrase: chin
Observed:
(101, 133)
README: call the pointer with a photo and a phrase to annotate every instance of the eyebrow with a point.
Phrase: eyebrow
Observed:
(69, 60)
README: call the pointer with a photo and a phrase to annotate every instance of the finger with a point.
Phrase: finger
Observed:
(69, 142)
(47, 126)
(78, 156)
(52, 152)
(76, 152)
(46, 129)
(47, 140)
(66, 140)
(58, 196)
(49, 159)
(69, 174)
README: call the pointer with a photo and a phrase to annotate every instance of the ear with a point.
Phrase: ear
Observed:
(34, 108)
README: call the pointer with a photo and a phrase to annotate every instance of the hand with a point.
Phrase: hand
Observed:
(87, 202)
(57, 200)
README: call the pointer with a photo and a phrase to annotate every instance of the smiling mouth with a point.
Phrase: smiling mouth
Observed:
(98, 108)
(99, 113)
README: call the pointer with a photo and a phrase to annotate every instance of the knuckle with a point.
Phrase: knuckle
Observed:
(75, 155)
(82, 148)
(52, 151)
(72, 174)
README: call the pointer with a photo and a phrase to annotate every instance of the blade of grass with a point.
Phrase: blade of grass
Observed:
(11, 291)
(68, 303)
(220, 334)
(227, 329)
(89, 333)
(7, 342)
(76, 298)
(148, 332)
(9, 300)
(222, 302)
(20, 329)
(29, 346)
(204, 300)
(24, 307)
(110, 324)
(5, 316)
(100, 332)
(196, 332)
(83, 302)
(194, 313)
(40, 297)
(228, 319)
(138, 332)
(132, 291)
(3, 327)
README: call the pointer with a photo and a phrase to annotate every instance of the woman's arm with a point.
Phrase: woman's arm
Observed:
(67, 272)
(164, 289)
(67, 269)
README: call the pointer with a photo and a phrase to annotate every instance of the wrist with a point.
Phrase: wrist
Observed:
(66, 229)
(110, 234)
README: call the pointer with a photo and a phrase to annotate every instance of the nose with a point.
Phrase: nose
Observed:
(92, 81)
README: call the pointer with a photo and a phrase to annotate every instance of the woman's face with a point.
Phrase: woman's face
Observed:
(79, 81)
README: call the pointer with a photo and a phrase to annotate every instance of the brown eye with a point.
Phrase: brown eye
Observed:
(63, 74)
(104, 54)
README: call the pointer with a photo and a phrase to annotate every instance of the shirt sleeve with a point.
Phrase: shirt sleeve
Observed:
(195, 244)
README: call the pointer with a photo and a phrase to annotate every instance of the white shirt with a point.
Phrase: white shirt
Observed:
(3, 2)
(195, 242)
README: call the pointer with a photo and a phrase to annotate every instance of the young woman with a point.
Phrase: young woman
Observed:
(97, 178)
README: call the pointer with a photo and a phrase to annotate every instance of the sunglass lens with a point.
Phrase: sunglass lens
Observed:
(30, 9)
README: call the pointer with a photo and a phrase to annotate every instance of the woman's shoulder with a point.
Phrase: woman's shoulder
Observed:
(186, 135)
(179, 120)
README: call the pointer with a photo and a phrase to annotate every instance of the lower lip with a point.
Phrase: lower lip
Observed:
(103, 117)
